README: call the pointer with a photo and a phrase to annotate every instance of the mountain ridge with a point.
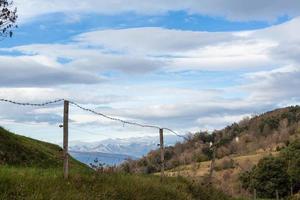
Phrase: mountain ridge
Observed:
(134, 147)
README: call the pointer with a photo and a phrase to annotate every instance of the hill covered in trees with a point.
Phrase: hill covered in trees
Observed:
(267, 132)
(256, 155)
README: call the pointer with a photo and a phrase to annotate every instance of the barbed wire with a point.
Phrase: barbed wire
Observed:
(114, 118)
(175, 133)
(94, 112)
(32, 104)
(127, 122)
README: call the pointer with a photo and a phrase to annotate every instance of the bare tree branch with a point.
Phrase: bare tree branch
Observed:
(8, 18)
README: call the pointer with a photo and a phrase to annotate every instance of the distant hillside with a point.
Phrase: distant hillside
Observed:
(267, 132)
(18, 150)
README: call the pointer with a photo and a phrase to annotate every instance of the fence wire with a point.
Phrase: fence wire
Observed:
(32, 104)
(93, 112)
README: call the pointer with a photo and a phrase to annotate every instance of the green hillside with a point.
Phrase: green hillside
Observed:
(18, 150)
(30, 169)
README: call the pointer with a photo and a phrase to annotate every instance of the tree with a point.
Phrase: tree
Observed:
(291, 155)
(8, 18)
(270, 175)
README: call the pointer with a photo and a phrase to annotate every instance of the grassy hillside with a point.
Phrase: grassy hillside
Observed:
(280, 169)
(258, 137)
(18, 150)
(31, 169)
(201, 169)
(264, 133)
(226, 174)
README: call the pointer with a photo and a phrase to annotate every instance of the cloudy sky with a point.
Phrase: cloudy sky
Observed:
(189, 65)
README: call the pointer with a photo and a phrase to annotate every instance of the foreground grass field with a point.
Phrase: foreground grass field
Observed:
(33, 183)
(32, 170)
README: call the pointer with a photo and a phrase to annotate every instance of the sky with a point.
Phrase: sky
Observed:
(188, 65)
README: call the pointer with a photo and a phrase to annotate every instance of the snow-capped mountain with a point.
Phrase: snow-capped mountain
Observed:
(135, 147)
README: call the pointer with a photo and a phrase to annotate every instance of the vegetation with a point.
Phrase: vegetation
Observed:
(273, 175)
(33, 183)
(30, 162)
(268, 132)
(30, 169)
(22, 151)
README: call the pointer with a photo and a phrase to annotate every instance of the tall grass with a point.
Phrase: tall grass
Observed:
(35, 183)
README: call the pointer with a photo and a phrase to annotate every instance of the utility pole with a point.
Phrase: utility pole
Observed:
(162, 154)
(65, 142)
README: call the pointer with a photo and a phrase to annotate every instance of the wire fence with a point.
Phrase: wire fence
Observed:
(32, 104)
(93, 112)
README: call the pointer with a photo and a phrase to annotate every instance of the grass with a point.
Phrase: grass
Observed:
(202, 168)
(225, 179)
(16, 150)
(32, 170)
(36, 183)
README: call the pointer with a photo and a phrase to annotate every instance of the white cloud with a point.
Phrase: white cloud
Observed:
(142, 50)
(153, 41)
(34, 71)
(212, 123)
(232, 10)
(277, 85)
(267, 58)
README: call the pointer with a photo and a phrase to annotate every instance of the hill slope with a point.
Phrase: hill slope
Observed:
(264, 133)
(16, 150)
(258, 137)
(30, 169)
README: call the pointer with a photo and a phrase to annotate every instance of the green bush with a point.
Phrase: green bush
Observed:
(275, 173)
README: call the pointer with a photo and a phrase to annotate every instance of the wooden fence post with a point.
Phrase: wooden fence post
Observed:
(162, 154)
(212, 165)
(277, 195)
(65, 140)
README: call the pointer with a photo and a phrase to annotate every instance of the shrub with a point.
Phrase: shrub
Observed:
(268, 176)
(275, 173)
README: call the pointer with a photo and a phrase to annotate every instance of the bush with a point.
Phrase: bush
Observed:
(268, 176)
(275, 173)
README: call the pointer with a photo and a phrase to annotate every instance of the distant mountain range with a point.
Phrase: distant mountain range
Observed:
(114, 151)
(135, 147)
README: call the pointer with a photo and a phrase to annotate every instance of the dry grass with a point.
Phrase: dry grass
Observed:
(225, 179)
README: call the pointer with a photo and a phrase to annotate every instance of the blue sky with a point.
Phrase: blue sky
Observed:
(185, 65)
